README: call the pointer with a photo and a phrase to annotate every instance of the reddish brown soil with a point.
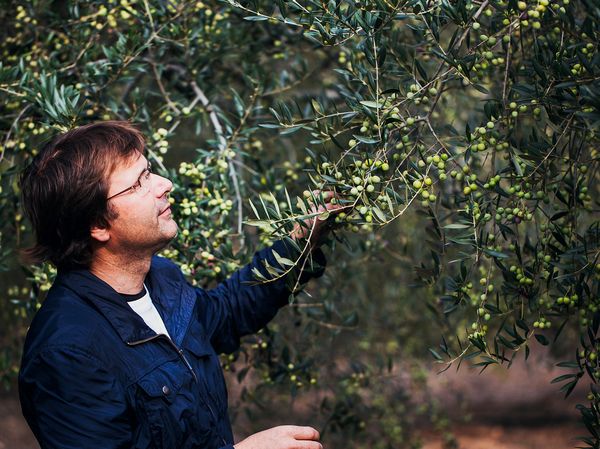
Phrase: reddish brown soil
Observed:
(498, 437)
(14, 434)
(509, 409)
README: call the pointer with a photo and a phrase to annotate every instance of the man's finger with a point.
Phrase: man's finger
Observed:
(336, 207)
(308, 445)
(327, 194)
(304, 433)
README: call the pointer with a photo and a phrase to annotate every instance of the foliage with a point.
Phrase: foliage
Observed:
(480, 117)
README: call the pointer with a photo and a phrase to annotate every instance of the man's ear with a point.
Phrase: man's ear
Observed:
(100, 233)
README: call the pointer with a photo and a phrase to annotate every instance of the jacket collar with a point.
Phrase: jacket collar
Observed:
(174, 307)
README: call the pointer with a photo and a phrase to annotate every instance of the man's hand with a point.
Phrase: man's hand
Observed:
(316, 227)
(282, 437)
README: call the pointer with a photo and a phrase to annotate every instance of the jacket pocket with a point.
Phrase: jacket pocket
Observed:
(163, 382)
(164, 400)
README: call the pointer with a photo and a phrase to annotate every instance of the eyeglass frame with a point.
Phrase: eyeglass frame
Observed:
(138, 184)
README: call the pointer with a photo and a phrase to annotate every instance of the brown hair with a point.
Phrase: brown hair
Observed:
(65, 189)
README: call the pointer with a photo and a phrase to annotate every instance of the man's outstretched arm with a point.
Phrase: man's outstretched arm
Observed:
(242, 304)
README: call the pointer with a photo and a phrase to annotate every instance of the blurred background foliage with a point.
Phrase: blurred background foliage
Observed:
(461, 136)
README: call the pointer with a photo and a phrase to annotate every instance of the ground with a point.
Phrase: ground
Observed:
(14, 434)
(554, 436)
(510, 409)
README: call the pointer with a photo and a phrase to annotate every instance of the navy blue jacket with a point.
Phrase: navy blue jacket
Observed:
(94, 375)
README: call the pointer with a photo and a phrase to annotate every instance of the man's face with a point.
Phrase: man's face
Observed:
(144, 222)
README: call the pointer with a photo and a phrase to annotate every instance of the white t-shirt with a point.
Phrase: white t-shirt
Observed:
(145, 308)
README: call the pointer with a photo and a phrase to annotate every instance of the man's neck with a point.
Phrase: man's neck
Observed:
(124, 275)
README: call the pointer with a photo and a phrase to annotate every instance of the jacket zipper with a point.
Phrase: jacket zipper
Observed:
(187, 364)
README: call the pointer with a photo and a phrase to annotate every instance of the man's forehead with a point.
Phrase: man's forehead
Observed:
(125, 167)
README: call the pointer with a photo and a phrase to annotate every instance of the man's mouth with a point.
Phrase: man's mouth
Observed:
(166, 210)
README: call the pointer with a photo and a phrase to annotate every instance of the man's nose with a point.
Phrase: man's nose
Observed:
(163, 185)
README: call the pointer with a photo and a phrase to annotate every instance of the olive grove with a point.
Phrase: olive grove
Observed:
(460, 136)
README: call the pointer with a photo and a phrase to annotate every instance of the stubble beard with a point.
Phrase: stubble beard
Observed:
(140, 248)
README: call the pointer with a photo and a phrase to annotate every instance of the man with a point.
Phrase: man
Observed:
(124, 352)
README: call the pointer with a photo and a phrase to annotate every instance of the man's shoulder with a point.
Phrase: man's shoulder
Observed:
(66, 305)
(64, 319)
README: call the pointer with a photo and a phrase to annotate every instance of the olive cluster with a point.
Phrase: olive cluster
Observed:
(361, 185)
(520, 275)
(542, 323)
(586, 313)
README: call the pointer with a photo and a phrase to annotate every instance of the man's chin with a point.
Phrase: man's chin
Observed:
(173, 233)
(168, 237)
(176, 231)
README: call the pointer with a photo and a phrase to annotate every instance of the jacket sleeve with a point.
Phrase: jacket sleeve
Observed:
(70, 400)
(242, 305)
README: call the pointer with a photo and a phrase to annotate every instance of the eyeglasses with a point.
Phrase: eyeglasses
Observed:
(141, 186)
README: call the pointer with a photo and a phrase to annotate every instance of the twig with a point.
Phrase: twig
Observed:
(12, 92)
(162, 88)
(130, 86)
(223, 146)
(475, 17)
(8, 134)
(565, 129)
(128, 60)
(147, 7)
(259, 14)
(331, 325)
(80, 54)
(377, 87)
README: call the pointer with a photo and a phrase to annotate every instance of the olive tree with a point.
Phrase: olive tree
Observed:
(470, 126)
